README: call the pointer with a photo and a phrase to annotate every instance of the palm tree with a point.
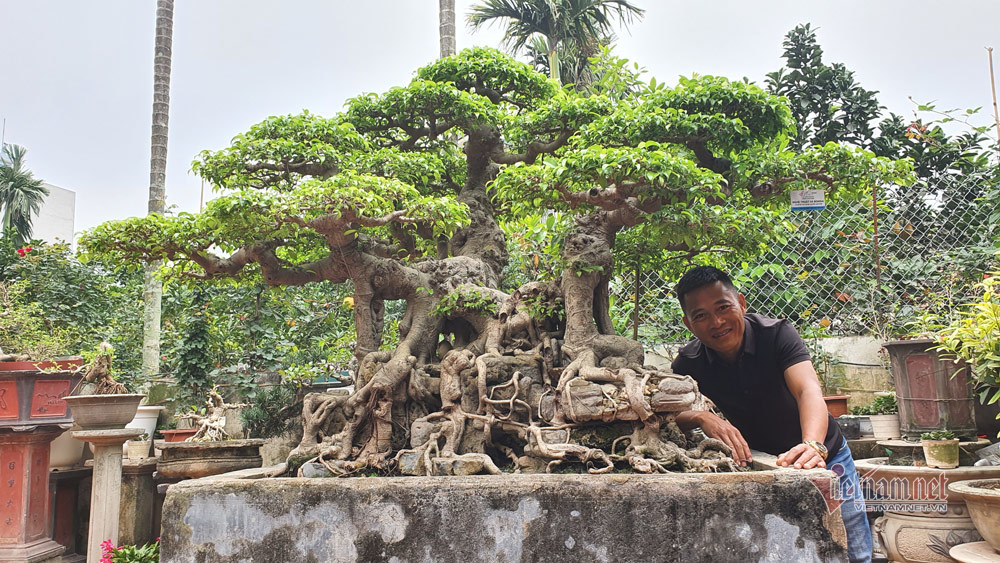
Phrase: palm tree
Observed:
(446, 15)
(580, 21)
(21, 194)
(153, 289)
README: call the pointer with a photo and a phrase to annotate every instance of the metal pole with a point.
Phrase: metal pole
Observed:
(993, 87)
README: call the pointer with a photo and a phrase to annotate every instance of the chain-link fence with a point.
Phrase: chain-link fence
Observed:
(851, 268)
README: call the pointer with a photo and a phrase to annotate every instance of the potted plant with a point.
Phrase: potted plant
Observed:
(972, 341)
(933, 390)
(138, 447)
(210, 450)
(881, 418)
(940, 449)
(110, 405)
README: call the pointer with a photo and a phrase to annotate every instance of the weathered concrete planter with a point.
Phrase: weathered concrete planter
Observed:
(104, 412)
(191, 460)
(616, 517)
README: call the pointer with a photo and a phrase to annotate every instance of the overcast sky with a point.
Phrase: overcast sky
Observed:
(77, 83)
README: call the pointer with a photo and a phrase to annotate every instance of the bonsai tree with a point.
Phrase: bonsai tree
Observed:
(383, 197)
(211, 426)
(98, 371)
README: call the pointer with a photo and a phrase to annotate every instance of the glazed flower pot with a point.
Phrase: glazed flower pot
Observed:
(32, 393)
(933, 392)
(983, 499)
(103, 412)
(885, 426)
(66, 452)
(942, 454)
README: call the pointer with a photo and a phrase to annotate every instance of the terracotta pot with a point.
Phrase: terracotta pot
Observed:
(942, 454)
(885, 426)
(178, 434)
(983, 499)
(103, 412)
(836, 404)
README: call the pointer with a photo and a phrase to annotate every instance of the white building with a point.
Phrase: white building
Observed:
(56, 219)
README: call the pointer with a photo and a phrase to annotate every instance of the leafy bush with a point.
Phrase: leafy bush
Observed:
(938, 435)
(975, 338)
(883, 404)
(272, 412)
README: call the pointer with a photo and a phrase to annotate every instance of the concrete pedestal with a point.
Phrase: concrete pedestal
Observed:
(24, 495)
(137, 502)
(105, 496)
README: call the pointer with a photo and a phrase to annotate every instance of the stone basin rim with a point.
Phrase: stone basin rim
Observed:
(975, 487)
(251, 477)
(211, 444)
(962, 472)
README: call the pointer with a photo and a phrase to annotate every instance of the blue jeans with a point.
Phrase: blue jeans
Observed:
(859, 535)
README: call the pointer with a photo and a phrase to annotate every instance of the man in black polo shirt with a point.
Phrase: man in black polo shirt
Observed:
(758, 372)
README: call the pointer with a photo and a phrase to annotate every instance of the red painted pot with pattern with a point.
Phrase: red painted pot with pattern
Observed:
(933, 392)
(32, 393)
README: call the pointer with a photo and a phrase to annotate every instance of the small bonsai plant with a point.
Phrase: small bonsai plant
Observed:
(974, 337)
(938, 436)
(940, 449)
(211, 426)
(98, 371)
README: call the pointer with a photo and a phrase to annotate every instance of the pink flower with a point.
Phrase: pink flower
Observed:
(22, 251)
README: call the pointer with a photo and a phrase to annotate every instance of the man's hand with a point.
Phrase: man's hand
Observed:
(715, 427)
(801, 456)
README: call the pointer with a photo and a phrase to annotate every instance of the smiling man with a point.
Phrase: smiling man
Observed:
(758, 372)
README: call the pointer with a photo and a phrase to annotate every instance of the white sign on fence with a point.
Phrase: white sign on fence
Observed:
(808, 200)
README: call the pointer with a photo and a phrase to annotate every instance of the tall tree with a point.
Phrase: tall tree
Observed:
(446, 30)
(21, 194)
(582, 22)
(153, 292)
(826, 102)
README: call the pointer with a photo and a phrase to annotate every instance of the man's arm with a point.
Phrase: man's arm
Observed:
(715, 427)
(804, 385)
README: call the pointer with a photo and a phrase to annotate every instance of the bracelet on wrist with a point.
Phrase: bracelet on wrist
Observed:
(818, 446)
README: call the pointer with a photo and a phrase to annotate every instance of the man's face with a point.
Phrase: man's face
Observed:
(715, 315)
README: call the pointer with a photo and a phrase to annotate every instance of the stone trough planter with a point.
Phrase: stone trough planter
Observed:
(191, 460)
(544, 517)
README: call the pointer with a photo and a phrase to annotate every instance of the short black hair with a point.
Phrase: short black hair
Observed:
(700, 276)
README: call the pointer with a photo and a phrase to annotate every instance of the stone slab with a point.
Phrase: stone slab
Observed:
(779, 516)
